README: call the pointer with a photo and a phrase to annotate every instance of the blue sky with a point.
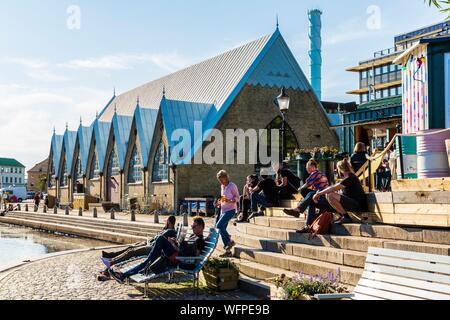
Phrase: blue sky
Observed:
(50, 75)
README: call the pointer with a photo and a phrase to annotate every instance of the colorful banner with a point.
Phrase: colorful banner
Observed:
(415, 93)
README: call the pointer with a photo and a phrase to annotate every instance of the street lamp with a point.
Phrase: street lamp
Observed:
(283, 102)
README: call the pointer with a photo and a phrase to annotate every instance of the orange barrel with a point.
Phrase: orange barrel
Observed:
(432, 158)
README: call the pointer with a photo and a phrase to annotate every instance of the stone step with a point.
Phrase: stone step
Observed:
(61, 216)
(354, 243)
(113, 237)
(277, 212)
(289, 203)
(341, 242)
(326, 254)
(98, 206)
(390, 232)
(256, 270)
(138, 231)
(348, 275)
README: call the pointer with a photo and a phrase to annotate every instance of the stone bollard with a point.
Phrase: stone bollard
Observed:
(113, 214)
(80, 212)
(26, 208)
(133, 216)
(45, 209)
(156, 217)
(19, 207)
(66, 211)
(94, 213)
(55, 210)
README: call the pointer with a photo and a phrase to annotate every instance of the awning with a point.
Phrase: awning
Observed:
(361, 123)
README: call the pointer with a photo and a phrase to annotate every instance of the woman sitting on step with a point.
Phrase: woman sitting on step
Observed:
(141, 249)
(353, 198)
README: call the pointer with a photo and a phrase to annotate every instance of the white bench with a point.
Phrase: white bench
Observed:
(401, 275)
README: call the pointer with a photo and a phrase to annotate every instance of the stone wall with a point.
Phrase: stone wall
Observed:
(254, 108)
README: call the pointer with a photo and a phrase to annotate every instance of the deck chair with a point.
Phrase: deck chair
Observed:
(178, 229)
(211, 243)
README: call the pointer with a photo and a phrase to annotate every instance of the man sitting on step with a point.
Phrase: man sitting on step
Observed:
(141, 249)
(264, 194)
(316, 182)
(170, 249)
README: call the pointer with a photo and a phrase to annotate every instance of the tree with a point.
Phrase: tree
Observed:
(42, 182)
(442, 5)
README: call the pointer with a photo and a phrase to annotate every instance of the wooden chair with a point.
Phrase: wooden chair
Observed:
(401, 275)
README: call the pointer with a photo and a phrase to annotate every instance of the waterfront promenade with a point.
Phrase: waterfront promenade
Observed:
(72, 276)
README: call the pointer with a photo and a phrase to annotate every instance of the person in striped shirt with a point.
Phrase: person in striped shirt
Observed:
(316, 182)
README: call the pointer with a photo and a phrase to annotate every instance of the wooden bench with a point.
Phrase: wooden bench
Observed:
(401, 275)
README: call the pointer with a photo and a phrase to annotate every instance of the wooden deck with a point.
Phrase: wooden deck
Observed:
(424, 203)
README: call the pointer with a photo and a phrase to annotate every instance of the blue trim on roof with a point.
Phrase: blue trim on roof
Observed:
(57, 145)
(84, 142)
(106, 107)
(183, 115)
(70, 138)
(145, 125)
(121, 126)
(101, 134)
(214, 117)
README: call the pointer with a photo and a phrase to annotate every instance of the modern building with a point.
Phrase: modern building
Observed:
(380, 92)
(12, 173)
(129, 150)
(37, 176)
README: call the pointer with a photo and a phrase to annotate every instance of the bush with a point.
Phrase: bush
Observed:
(214, 265)
(302, 287)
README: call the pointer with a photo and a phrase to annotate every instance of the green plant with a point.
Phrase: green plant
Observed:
(442, 5)
(303, 286)
(214, 264)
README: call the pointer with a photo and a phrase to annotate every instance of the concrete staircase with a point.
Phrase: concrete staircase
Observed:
(108, 230)
(269, 246)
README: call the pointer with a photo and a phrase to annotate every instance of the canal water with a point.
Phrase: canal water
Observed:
(19, 244)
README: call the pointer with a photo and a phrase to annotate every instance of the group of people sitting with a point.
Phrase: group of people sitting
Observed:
(318, 196)
(265, 192)
(162, 250)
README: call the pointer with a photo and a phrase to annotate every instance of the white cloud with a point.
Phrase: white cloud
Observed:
(28, 116)
(35, 68)
(169, 62)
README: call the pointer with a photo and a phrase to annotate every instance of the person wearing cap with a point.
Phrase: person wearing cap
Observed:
(264, 194)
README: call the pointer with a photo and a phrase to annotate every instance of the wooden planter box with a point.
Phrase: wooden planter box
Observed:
(221, 280)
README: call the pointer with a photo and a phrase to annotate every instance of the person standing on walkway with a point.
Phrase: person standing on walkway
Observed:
(228, 208)
(37, 200)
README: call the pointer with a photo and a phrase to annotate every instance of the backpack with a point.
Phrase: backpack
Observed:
(321, 225)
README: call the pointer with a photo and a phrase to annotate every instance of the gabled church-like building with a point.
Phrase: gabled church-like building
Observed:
(126, 151)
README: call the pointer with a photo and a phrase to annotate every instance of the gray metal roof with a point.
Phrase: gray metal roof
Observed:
(208, 82)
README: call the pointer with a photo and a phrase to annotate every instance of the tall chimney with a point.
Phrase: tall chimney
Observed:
(315, 54)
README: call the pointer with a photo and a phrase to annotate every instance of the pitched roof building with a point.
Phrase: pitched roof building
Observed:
(233, 90)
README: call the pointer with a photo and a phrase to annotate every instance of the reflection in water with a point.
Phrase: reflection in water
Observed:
(18, 244)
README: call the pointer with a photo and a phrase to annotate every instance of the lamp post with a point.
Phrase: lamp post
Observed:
(283, 101)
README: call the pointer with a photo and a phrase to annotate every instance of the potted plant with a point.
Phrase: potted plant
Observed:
(304, 287)
(220, 274)
(302, 154)
(328, 153)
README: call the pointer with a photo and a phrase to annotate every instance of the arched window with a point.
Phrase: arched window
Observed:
(160, 166)
(78, 172)
(113, 164)
(51, 174)
(65, 174)
(95, 167)
(135, 167)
